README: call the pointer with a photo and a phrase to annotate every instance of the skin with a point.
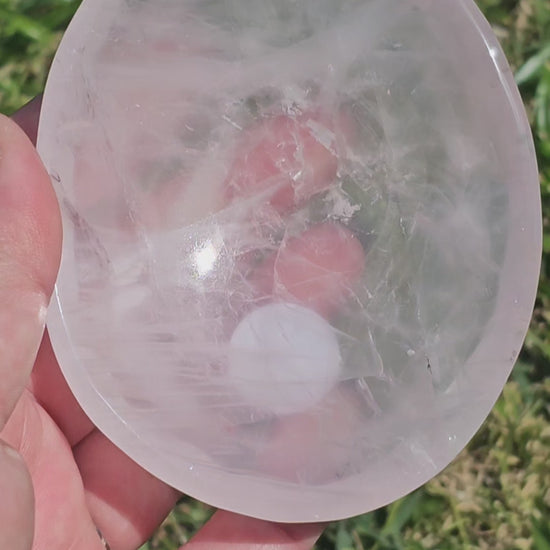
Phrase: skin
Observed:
(60, 478)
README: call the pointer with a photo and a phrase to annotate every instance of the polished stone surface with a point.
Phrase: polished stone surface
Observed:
(302, 241)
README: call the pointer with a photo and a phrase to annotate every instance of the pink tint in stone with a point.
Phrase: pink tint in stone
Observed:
(302, 241)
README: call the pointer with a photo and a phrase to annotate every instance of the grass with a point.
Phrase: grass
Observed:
(496, 495)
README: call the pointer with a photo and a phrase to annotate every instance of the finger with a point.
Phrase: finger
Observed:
(228, 530)
(27, 117)
(50, 389)
(48, 383)
(62, 519)
(16, 501)
(30, 242)
(126, 503)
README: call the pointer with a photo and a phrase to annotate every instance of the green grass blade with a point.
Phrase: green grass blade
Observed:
(541, 536)
(531, 70)
(542, 107)
(17, 23)
(400, 513)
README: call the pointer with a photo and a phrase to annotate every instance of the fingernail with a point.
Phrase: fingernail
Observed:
(102, 538)
(10, 452)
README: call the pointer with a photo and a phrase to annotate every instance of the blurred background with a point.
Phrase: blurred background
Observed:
(496, 494)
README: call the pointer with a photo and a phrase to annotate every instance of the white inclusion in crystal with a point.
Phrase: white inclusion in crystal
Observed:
(341, 206)
(283, 358)
(205, 258)
(322, 134)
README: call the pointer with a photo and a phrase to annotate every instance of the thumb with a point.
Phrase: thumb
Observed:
(30, 241)
(229, 530)
(16, 501)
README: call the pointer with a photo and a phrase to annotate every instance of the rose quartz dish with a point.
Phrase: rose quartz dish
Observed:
(301, 241)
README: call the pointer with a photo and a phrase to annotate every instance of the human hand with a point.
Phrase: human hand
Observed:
(60, 478)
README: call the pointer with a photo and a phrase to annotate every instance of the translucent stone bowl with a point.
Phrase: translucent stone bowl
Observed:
(302, 241)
